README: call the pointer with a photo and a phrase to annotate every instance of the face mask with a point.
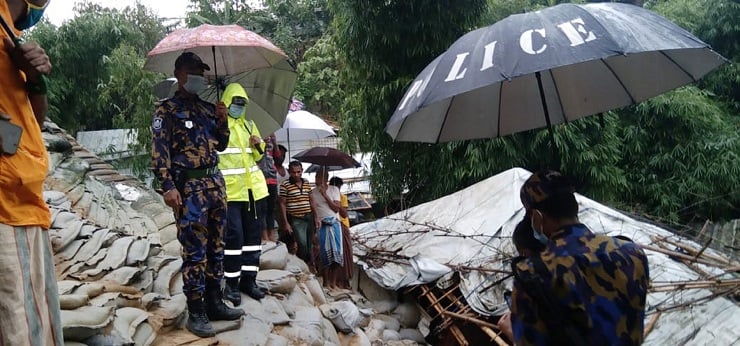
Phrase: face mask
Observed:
(542, 238)
(195, 84)
(236, 111)
(33, 16)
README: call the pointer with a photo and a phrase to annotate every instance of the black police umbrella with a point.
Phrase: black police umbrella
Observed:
(548, 67)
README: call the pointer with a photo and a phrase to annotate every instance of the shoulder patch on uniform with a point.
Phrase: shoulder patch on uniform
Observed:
(157, 123)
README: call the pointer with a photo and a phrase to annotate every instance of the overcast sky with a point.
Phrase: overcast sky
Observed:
(61, 10)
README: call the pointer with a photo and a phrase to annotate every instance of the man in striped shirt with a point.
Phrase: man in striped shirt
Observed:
(295, 209)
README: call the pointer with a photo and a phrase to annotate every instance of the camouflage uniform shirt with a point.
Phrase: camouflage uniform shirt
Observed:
(187, 135)
(597, 283)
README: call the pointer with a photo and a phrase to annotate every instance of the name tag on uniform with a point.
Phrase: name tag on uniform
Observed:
(189, 124)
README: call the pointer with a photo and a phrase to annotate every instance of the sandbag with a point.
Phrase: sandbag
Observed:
(411, 334)
(73, 301)
(296, 265)
(344, 315)
(84, 322)
(279, 281)
(274, 256)
(314, 288)
(408, 314)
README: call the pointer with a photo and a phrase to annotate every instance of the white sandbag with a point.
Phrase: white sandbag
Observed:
(411, 334)
(330, 334)
(296, 265)
(84, 322)
(408, 314)
(314, 288)
(305, 328)
(357, 338)
(73, 301)
(344, 315)
(390, 335)
(391, 322)
(277, 340)
(127, 321)
(304, 289)
(274, 256)
(273, 311)
(279, 281)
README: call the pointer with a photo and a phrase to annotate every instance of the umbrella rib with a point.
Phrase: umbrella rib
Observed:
(678, 65)
(447, 113)
(632, 98)
(500, 100)
(557, 96)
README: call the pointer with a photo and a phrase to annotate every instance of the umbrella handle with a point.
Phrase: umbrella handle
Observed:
(215, 72)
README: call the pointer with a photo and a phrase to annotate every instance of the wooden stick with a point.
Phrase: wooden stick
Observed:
(703, 229)
(651, 324)
(706, 245)
(693, 251)
(471, 320)
(678, 255)
(494, 336)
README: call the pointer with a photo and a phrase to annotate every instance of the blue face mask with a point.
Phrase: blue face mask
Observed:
(195, 84)
(236, 111)
(541, 237)
(33, 16)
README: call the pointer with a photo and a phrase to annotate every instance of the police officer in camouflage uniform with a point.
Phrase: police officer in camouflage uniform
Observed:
(584, 288)
(187, 132)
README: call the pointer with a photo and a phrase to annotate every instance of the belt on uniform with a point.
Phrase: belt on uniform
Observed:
(196, 173)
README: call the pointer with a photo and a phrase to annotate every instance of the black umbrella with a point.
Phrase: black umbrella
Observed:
(548, 67)
(325, 156)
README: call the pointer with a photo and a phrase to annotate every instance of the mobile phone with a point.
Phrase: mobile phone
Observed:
(507, 298)
(10, 134)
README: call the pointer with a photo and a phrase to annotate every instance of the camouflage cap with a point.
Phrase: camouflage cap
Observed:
(543, 185)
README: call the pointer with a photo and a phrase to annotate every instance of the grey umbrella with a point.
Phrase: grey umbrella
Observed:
(548, 67)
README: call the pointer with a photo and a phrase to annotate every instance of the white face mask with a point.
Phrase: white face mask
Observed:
(195, 84)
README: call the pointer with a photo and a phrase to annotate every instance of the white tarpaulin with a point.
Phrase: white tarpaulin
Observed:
(470, 231)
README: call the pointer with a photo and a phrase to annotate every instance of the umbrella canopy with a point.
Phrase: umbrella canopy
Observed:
(269, 91)
(548, 67)
(233, 49)
(325, 156)
(303, 126)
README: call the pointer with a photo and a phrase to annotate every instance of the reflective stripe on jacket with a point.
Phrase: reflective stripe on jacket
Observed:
(238, 162)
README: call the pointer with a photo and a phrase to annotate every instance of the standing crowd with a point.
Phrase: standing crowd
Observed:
(225, 184)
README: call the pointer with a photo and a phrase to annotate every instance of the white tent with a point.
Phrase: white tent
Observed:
(471, 230)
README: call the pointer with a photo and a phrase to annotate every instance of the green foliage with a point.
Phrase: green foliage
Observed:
(292, 25)
(682, 157)
(79, 50)
(384, 45)
(319, 86)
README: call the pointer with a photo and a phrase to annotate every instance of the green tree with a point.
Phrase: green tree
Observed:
(681, 157)
(80, 50)
(319, 85)
(292, 25)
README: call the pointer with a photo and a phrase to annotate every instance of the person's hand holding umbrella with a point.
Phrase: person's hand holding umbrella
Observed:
(221, 111)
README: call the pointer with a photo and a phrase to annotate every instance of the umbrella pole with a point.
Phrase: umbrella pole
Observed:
(288, 130)
(555, 151)
(215, 72)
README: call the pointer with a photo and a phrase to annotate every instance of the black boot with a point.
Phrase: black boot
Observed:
(231, 292)
(198, 322)
(217, 310)
(248, 285)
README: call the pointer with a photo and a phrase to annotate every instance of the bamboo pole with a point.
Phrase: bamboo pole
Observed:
(693, 251)
(649, 327)
(496, 337)
(488, 328)
(677, 255)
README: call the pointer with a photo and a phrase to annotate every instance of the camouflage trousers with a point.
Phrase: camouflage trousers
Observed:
(200, 228)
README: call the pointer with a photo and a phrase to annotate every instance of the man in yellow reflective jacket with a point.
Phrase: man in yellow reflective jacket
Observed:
(246, 190)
